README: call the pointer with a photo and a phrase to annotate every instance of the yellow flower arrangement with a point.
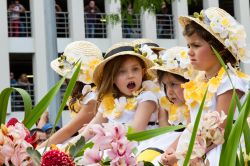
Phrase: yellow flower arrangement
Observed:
(195, 89)
(178, 114)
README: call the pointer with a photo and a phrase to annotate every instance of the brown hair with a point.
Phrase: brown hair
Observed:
(76, 93)
(193, 28)
(160, 74)
(110, 71)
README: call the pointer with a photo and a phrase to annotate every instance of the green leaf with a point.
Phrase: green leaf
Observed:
(67, 93)
(246, 132)
(76, 148)
(222, 63)
(87, 145)
(35, 155)
(195, 129)
(230, 117)
(146, 163)
(43, 104)
(4, 99)
(242, 162)
(140, 136)
(228, 157)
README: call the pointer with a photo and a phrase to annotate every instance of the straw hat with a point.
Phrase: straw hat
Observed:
(175, 60)
(118, 49)
(224, 28)
(89, 55)
(150, 43)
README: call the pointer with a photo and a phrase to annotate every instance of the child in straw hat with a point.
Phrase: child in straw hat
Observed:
(84, 99)
(173, 68)
(119, 79)
(151, 50)
(215, 28)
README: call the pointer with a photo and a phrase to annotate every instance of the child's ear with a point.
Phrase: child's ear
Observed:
(144, 71)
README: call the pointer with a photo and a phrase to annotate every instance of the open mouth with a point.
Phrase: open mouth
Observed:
(131, 85)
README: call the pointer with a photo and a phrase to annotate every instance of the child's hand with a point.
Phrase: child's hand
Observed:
(168, 157)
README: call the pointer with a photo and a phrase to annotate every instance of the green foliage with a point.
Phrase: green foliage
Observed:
(76, 148)
(194, 132)
(140, 136)
(4, 99)
(35, 155)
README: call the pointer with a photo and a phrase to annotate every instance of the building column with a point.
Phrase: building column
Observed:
(45, 43)
(114, 32)
(76, 19)
(179, 8)
(242, 14)
(4, 47)
(148, 25)
(210, 3)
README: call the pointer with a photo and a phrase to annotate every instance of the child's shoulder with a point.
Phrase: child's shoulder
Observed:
(234, 79)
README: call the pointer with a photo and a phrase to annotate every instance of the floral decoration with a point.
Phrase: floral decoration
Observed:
(14, 140)
(110, 142)
(209, 132)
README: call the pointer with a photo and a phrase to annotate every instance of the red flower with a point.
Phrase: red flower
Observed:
(56, 158)
(12, 122)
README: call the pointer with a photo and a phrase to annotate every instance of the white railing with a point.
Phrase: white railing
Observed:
(165, 26)
(62, 24)
(95, 25)
(19, 27)
(16, 98)
(131, 27)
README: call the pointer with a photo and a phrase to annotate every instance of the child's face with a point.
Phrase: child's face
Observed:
(200, 53)
(173, 89)
(129, 77)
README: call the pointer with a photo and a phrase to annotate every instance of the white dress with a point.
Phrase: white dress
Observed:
(240, 83)
(126, 116)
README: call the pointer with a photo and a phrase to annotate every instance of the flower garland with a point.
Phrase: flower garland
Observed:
(114, 108)
(194, 90)
(178, 114)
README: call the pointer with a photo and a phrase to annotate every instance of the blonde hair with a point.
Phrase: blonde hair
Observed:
(110, 70)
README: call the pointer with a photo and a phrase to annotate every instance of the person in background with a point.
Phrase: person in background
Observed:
(12, 79)
(91, 18)
(16, 27)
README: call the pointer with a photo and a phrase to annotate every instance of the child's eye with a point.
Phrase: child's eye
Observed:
(135, 68)
(122, 71)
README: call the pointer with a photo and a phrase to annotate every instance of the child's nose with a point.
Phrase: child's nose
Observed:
(190, 52)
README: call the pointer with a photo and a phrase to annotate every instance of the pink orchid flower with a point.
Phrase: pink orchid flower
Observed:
(92, 156)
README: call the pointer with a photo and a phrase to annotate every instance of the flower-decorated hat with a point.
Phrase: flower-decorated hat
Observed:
(224, 28)
(118, 49)
(89, 55)
(175, 60)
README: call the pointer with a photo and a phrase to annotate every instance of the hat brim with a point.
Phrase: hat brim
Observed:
(185, 20)
(68, 73)
(55, 66)
(98, 72)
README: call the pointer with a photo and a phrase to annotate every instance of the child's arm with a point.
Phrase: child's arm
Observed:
(83, 117)
(98, 119)
(163, 117)
(143, 114)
